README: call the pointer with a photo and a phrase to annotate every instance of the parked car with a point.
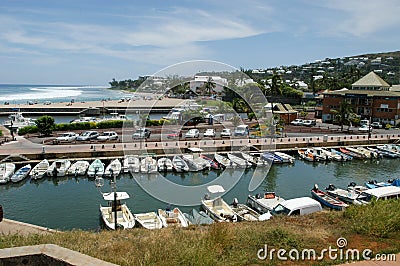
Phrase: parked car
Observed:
(241, 130)
(226, 132)
(141, 133)
(297, 122)
(364, 128)
(376, 125)
(108, 135)
(209, 133)
(88, 135)
(309, 123)
(67, 137)
(174, 134)
(192, 133)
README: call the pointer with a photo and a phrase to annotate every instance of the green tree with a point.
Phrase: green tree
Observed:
(345, 115)
(45, 125)
(209, 86)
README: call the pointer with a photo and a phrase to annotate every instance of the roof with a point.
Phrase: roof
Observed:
(383, 191)
(300, 202)
(369, 93)
(370, 80)
(120, 196)
(215, 189)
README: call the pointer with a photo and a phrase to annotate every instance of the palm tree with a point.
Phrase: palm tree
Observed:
(345, 115)
(209, 86)
(276, 85)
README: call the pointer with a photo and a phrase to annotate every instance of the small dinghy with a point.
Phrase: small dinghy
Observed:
(21, 174)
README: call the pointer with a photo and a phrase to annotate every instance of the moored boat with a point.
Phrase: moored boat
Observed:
(125, 219)
(131, 163)
(148, 220)
(327, 200)
(96, 168)
(348, 196)
(308, 155)
(264, 203)
(217, 208)
(6, 171)
(238, 161)
(271, 158)
(213, 164)
(245, 213)
(78, 168)
(164, 164)
(21, 174)
(179, 164)
(286, 157)
(173, 218)
(58, 168)
(114, 168)
(353, 154)
(39, 170)
(222, 160)
(375, 184)
(198, 217)
(148, 165)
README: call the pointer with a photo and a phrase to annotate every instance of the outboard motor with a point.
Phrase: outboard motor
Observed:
(235, 202)
(331, 187)
(352, 184)
(315, 188)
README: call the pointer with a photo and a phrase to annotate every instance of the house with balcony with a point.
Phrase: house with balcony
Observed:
(371, 98)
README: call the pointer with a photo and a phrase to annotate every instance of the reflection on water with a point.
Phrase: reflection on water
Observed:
(73, 202)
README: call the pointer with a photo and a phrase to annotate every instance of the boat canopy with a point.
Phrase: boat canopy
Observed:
(120, 196)
(215, 189)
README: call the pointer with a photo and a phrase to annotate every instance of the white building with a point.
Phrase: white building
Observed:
(196, 84)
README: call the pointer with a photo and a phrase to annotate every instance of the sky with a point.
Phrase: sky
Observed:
(90, 42)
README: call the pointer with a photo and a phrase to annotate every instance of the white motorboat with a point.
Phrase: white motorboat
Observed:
(17, 120)
(198, 217)
(6, 171)
(245, 213)
(58, 168)
(78, 168)
(264, 203)
(149, 220)
(164, 164)
(39, 170)
(334, 155)
(368, 153)
(323, 154)
(173, 218)
(96, 168)
(348, 196)
(362, 153)
(238, 161)
(286, 157)
(114, 168)
(148, 165)
(21, 174)
(179, 164)
(253, 160)
(224, 161)
(308, 155)
(125, 219)
(217, 208)
(131, 164)
(195, 161)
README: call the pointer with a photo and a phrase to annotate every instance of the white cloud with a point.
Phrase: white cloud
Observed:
(362, 18)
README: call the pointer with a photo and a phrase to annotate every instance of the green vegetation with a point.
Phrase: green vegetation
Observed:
(373, 226)
(1, 133)
(345, 115)
(45, 125)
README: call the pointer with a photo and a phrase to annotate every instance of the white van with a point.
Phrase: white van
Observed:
(297, 206)
(380, 193)
(364, 122)
(242, 130)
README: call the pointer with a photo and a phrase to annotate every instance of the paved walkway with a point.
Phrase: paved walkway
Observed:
(8, 226)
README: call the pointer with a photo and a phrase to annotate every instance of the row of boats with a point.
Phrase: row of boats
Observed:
(147, 163)
(349, 153)
(259, 207)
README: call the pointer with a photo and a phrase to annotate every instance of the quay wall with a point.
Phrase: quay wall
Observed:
(113, 150)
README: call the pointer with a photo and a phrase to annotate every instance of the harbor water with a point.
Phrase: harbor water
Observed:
(68, 203)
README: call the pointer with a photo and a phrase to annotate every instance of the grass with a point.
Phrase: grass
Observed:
(375, 226)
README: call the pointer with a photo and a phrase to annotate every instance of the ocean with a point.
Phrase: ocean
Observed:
(19, 94)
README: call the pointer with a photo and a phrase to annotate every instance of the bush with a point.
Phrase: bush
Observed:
(28, 130)
(1, 133)
(379, 219)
